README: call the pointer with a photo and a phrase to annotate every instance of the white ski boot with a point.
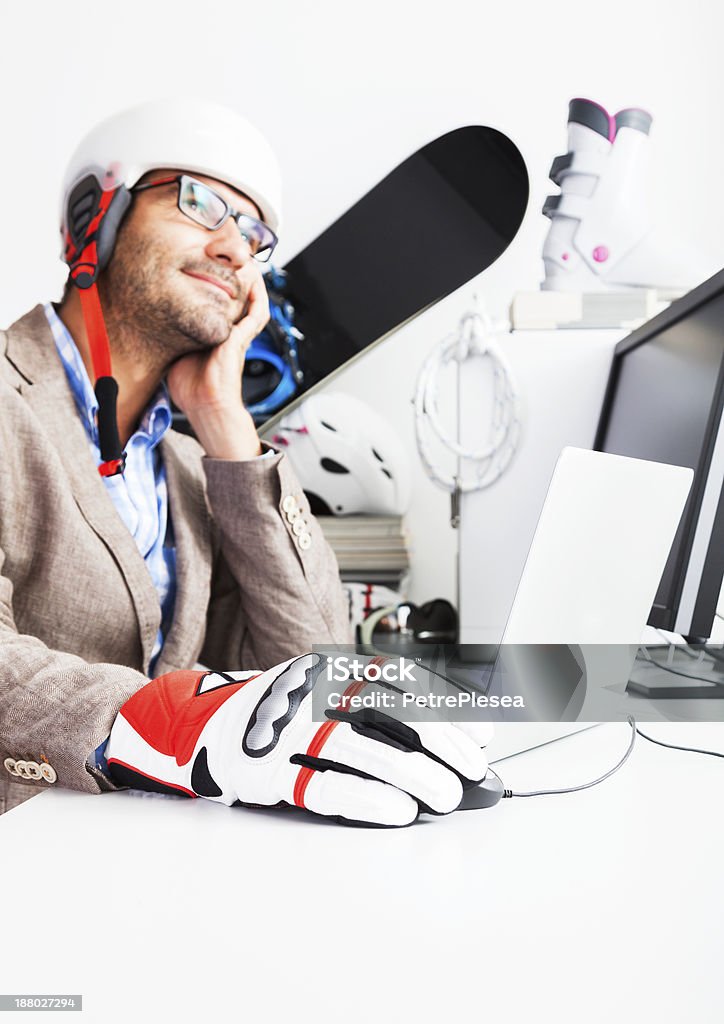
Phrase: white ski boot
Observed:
(602, 236)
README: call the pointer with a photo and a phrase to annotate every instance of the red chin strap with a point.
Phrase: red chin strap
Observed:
(106, 388)
(95, 327)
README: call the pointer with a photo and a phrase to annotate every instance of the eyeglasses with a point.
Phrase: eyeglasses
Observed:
(206, 207)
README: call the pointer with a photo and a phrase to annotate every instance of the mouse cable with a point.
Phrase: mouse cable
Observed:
(674, 746)
(507, 793)
(585, 785)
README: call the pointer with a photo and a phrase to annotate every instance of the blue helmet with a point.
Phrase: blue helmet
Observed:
(272, 374)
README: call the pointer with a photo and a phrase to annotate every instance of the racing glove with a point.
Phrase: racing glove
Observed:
(253, 741)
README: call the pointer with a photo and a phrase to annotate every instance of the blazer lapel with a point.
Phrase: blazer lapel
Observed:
(32, 351)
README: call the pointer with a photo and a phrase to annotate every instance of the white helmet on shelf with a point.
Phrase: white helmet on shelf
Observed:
(347, 456)
(185, 134)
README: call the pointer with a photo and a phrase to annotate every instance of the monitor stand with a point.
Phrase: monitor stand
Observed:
(675, 691)
(670, 683)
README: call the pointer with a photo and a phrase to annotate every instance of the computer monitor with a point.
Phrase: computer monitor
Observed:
(663, 403)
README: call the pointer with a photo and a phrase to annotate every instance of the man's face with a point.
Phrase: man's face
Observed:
(180, 286)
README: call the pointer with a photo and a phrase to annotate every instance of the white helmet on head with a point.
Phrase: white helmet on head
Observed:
(346, 456)
(186, 134)
(176, 134)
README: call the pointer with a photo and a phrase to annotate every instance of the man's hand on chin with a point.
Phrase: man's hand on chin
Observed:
(206, 386)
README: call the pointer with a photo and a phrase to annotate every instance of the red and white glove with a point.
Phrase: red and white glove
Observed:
(254, 742)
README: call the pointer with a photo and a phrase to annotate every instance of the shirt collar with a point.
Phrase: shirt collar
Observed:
(155, 421)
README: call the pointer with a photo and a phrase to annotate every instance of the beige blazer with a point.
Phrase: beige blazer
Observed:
(78, 610)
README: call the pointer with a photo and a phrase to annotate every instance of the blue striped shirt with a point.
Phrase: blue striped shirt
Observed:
(140, 495)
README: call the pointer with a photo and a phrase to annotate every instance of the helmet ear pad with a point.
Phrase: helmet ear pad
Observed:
(93, 217)
(109, 226)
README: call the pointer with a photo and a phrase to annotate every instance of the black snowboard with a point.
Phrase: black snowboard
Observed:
(437, 220)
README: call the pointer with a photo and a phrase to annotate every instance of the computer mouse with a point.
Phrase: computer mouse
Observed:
(487, 794)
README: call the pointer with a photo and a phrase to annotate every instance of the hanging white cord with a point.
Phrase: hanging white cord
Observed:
(478, 467)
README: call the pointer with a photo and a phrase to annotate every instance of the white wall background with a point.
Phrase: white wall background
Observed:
(344, 92)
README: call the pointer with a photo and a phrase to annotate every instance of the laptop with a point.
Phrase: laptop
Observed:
(593, 567)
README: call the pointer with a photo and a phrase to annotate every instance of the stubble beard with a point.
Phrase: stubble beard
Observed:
(150, 312)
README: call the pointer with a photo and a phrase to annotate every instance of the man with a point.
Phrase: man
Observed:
(129, 553)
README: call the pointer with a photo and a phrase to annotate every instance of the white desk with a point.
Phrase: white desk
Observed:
(605, 905)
